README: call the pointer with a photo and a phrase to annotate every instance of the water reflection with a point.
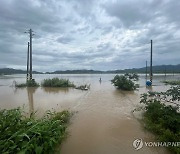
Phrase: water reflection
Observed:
(100, 80)
(30, 92)
(149, 88)
(55, 90)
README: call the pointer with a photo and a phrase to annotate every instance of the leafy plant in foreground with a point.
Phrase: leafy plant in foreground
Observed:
(162, 119)
(29, 135)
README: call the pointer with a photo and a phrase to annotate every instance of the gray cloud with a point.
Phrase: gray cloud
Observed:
(65, 39)
(83, 34)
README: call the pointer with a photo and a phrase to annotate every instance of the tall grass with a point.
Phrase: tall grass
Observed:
(56, 82)
(29, 135)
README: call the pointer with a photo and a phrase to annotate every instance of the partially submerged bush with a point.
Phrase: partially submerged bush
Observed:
(132, 76)
(29, 83)
(56, 82)
(162, 119)
(123, 82)
(28, 135)
(174, 82)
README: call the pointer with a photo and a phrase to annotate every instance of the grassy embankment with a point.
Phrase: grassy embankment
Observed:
(20, 134)
(161, 119)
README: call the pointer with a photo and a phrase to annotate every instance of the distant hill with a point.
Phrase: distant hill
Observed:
(156, 69)
(76, 72)
(14, 71)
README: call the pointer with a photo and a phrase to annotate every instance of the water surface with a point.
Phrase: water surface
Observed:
(103, 124)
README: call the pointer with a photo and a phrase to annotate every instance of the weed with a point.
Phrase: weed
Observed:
(20, 134)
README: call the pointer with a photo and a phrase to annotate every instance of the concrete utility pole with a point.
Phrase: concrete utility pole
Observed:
(30, 32)
(151, 74)
(146, 70)
(28, 63)
(165, 71)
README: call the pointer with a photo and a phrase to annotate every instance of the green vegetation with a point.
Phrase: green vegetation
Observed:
(162, 119)
(125, 82)
(29, 83)
(56, 82)
(132, 76)
(20, 134)
(174, 82)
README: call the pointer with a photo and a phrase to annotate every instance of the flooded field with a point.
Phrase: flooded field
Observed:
(103, 122)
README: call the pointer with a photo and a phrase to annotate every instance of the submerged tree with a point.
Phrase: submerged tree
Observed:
(125, 82)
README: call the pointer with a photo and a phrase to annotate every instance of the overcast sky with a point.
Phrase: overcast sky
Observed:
(89, 34)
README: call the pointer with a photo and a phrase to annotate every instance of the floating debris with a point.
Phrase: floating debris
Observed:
(83, 87)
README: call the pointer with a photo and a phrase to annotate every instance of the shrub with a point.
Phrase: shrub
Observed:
(175, 82)
(132, 76)
(56, 82)
(122, 82)
(28, 135)
(162, 119)
(29, 83)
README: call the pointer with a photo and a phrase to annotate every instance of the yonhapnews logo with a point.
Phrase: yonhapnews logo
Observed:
(138, 144)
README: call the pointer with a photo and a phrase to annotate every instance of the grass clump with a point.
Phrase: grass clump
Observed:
(29, 135)
(174, 82)
(161, 119)
(56, 82)
(124, 82)
(29, 83)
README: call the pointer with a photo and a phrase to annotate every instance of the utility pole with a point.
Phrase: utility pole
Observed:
(30, 32)
(165, 71)
(28, 63)
(151, 74)
(146, 70)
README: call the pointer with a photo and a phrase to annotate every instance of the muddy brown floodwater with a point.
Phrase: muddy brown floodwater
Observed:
(103, 123)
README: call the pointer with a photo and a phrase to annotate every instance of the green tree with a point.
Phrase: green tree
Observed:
(123, 82)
